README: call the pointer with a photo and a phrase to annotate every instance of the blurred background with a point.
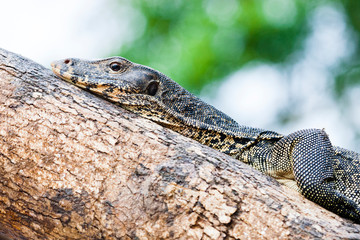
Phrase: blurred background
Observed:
(281, 65)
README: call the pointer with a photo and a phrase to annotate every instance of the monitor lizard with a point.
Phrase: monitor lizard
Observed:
(304, 160)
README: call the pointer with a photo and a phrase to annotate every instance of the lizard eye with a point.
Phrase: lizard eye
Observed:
(152, 88)
(115, 66)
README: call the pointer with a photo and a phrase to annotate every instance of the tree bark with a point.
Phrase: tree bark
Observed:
(74, 166)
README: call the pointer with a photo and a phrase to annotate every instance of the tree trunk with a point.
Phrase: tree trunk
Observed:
(74, 166)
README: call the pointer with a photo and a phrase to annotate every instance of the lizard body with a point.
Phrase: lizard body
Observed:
(305, 160)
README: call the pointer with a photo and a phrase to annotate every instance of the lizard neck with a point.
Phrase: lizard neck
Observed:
(177, 109)
(204, 123)
(193, 112)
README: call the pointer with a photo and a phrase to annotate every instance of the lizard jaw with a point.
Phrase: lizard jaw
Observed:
(68, 75)
(83, 82)
(71, 77)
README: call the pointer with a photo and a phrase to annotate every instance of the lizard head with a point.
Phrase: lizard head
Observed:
(134, 87)
(112, 78)
(142, 90)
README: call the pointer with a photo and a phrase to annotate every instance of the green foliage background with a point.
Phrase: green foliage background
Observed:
(201, 41)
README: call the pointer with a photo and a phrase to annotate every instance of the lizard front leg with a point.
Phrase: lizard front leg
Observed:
(312, 158)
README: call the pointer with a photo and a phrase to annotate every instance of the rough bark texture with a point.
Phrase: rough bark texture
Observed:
(74, 166)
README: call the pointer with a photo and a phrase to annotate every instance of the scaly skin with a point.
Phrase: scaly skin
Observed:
(305, 160)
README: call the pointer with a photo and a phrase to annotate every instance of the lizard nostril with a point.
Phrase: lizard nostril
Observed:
(67, 61)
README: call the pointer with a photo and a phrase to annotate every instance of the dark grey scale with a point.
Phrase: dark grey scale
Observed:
(89, 86)
(214, 141)
(110, 89)
(327, 175)
(74, 79)
(233, 147)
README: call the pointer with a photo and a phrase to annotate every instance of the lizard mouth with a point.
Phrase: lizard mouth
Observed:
(68, 76)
